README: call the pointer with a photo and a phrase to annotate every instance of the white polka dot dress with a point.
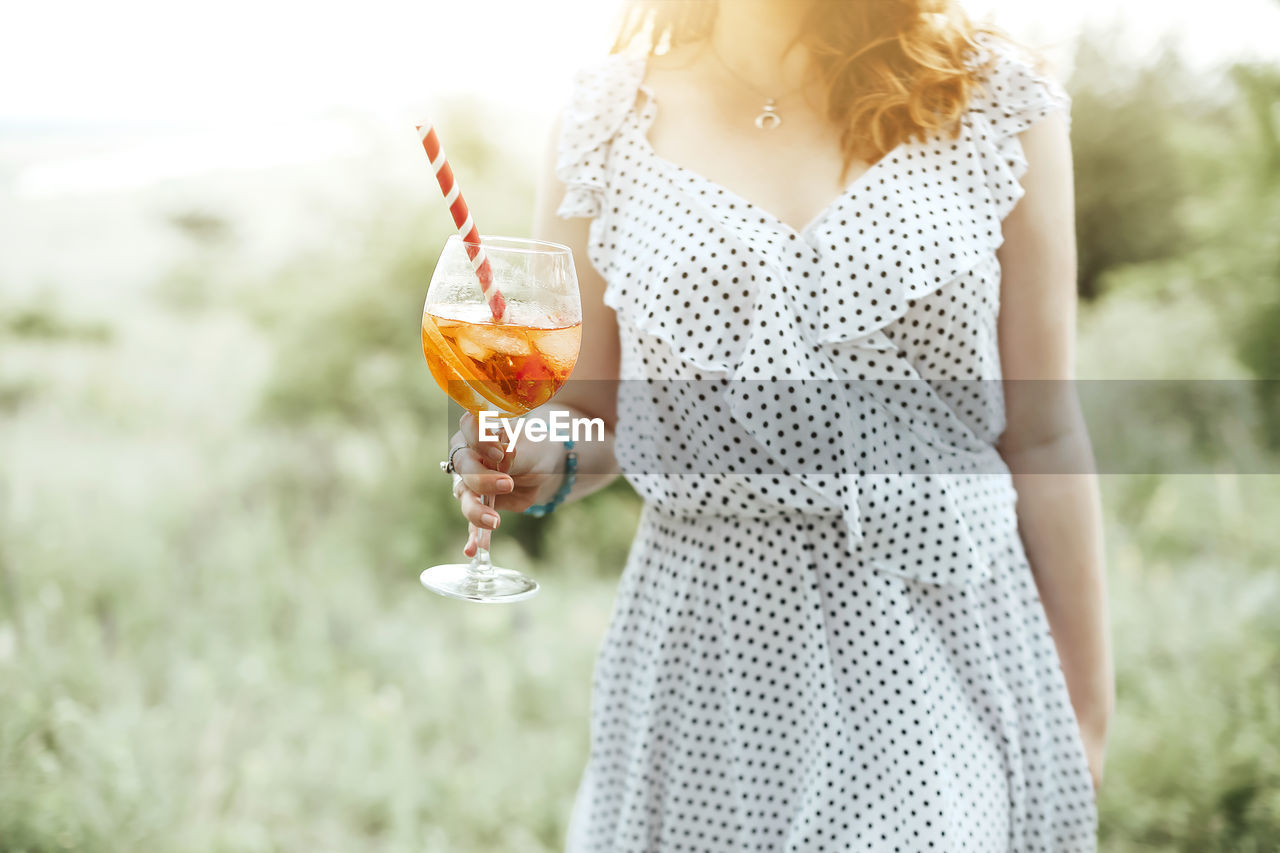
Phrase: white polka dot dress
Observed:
(827, 636)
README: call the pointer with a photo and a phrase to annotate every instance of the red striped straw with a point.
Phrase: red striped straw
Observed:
(462, 219)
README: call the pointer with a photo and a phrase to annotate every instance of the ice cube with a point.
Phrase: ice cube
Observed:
(559, 347)
(470, 346)
(509, 341)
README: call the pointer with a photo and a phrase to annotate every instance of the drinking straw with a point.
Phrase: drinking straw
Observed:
(462, 219)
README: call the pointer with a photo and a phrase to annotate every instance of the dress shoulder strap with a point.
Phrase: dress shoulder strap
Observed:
(603, 95)
(1015, 95)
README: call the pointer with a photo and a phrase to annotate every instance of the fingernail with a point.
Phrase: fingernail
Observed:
(505, 486)
(492, 521)
(494, 454)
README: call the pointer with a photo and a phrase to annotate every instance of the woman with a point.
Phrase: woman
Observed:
(866, 623)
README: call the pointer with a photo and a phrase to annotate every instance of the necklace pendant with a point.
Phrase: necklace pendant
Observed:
(768, 118)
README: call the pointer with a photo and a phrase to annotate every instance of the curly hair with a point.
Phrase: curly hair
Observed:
(891, 70)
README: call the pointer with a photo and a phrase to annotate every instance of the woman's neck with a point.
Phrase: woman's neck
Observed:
(756, 39)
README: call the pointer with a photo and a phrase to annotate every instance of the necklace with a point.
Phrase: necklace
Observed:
(769, 117)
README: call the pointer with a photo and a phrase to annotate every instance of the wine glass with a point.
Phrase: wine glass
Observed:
(509, 367)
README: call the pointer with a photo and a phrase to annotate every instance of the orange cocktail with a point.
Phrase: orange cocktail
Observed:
(509, 367)
(501, 327)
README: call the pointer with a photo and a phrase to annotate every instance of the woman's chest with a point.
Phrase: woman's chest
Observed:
(791, 171)
(896, 273)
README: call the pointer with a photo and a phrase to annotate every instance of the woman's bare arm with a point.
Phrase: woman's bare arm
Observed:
(533, 474)
(592, 386)
(592, 390)
(1045, 442)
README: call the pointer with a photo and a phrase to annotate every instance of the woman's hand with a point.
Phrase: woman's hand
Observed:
(518, 479)
(1094, 738)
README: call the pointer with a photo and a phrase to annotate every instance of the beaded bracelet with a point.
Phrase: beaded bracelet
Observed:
(566, 486)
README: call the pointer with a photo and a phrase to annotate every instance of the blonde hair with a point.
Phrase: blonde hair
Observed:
(891, 70)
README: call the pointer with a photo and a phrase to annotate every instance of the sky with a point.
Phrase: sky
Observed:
(159, 61)
(112, 97)
(266, 111)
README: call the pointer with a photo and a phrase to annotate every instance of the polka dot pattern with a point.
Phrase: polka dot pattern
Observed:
(827, 636)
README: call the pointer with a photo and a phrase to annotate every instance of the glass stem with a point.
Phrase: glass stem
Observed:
(481, 568)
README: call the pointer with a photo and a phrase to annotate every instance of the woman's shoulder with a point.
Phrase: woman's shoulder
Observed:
(601, 83)
(1015, 88)
(603, 93)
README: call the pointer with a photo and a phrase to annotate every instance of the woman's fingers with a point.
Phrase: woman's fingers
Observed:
(469, 434)
(474, 462)
(477, 533)
(474, 510)
(479, 477)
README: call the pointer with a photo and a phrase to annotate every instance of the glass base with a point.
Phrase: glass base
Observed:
(496, 586)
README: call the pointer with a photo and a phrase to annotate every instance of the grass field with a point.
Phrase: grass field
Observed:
(218, 486)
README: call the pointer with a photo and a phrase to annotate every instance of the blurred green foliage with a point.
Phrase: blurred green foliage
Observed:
(1257, 253)
(212, 637)
(1132, 174)
(41, 321)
